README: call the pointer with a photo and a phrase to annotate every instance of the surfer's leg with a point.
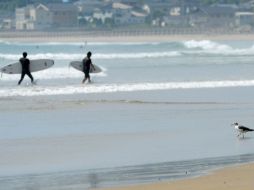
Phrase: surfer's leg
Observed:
(84, 80)
(21, 78)
(89, 79)
(86, 76)
(30, 76)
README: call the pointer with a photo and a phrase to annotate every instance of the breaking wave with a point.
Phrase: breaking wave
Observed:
(188, 48)
(207, 47)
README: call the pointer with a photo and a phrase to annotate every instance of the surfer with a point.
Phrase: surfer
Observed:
(87, 63)
(25, 63)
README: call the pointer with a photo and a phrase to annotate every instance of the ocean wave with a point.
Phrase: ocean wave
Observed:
(113, 88)
(139, 55)
(168, 50)
(206, 47)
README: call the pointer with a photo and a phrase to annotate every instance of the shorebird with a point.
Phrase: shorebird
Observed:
(241, 129)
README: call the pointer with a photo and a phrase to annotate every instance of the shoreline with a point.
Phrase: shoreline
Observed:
(159, 176)
(72, 37)
(234, 177)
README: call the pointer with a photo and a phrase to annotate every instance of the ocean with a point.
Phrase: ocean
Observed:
(134, 66)
(159, 110)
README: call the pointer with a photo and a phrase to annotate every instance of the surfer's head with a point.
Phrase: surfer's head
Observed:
(24, 54)
(89, 54)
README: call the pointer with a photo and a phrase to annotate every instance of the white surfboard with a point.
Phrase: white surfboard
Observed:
(35, 65)
(79, 66)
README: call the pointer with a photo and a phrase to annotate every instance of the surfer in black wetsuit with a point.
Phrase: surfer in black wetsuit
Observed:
(87, 64)
(25, 63)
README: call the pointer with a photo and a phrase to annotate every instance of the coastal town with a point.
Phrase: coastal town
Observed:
(170, 16)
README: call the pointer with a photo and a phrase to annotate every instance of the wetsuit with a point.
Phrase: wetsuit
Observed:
(86, 66)
(25, 63)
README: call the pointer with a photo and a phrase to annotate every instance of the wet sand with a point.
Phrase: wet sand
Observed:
(232, 178)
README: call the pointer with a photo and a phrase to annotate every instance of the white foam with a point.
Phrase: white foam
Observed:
(206, 45)
(210, 47)
(192, 47)
(55, 73)
(140, 55)
(71, 57)
(113, 88)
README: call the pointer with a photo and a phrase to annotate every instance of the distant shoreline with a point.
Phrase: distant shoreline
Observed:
(34, 37)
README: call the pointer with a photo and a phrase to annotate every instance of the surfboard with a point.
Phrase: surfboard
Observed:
(79, 66)
(35, 65)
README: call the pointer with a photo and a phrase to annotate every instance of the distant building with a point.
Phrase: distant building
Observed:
(33, 17)
(42, 17)
(86, 7)
(125, 15)
(6, 16)
(23, 18)
(63, 15)
(244, 18)
(8, 24)
(137, 17)
(102, 15)
(213, 17)
(46, 16)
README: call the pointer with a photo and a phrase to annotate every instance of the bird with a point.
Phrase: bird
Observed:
(241, 129)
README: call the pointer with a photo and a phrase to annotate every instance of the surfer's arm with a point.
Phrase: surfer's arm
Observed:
(28, 64)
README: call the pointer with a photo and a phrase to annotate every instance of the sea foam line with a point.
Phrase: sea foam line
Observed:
(112, 88)
(79, 56)
(54, 73)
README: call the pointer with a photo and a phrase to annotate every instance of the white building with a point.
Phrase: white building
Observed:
(42, 17)
(244, 18)
(46, 16)
(23, 18)
(100, 15)
(33, 18)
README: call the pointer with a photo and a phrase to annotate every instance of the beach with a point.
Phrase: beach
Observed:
(158, 116)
